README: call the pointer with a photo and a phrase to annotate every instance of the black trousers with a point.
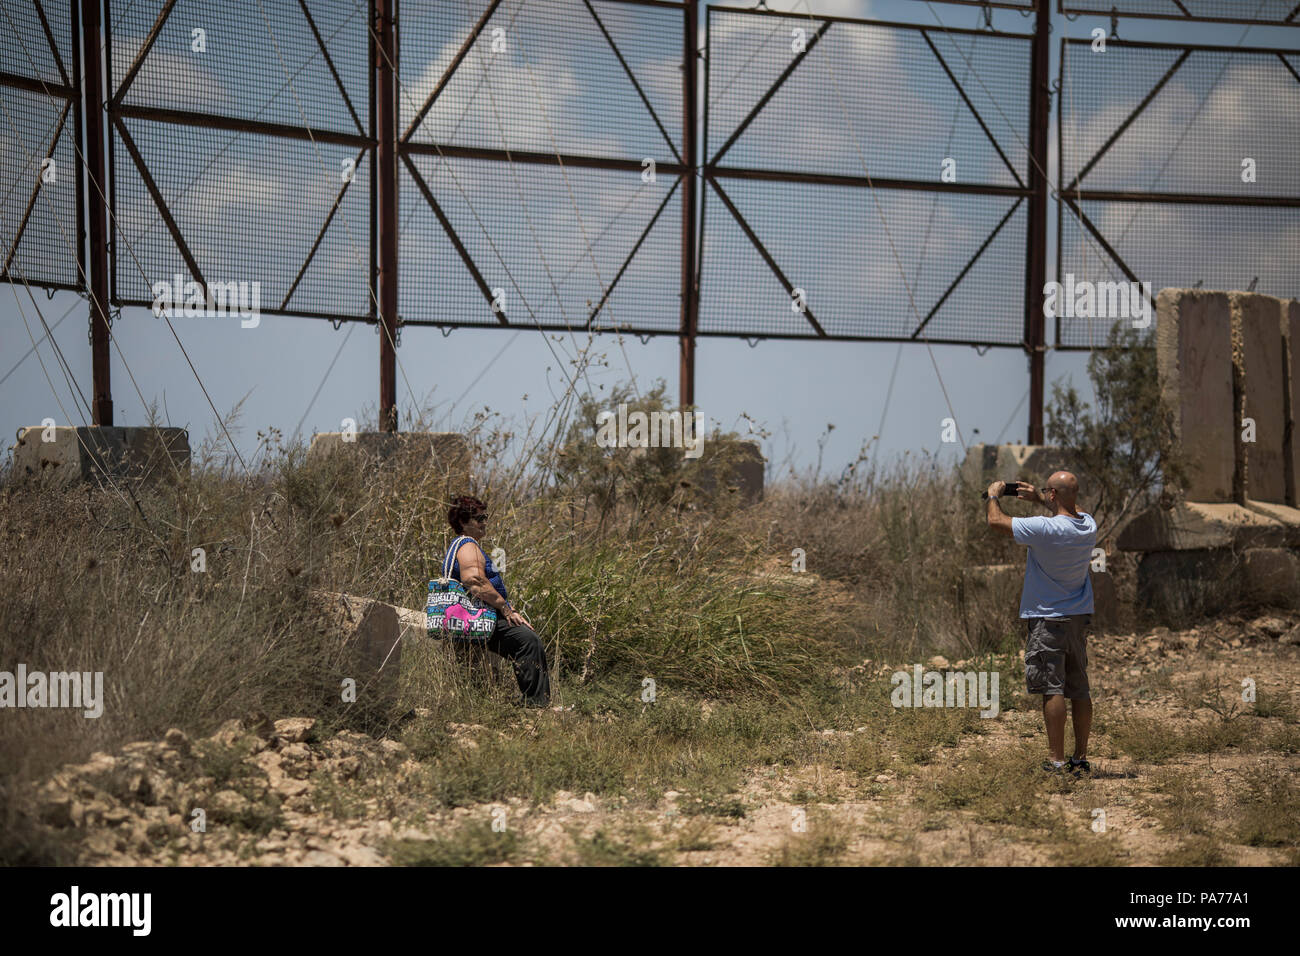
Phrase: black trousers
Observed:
(523, 648)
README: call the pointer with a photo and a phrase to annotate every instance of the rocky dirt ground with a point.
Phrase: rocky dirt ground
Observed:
(1185, 771)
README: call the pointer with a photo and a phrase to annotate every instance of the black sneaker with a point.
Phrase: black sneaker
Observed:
(1079, 766)
(1050, 767)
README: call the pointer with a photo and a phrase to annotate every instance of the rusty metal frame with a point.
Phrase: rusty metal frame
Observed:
(1022, 7)
(49, 38)
(762, 251)
(36, 191)
(1072, 196)
(632, 76)
(117, 112)
(1117, 9)
(408, 148)
(329, 62)
(447, 227)
(454, 65)
(971, 106)
(70, 92)
(713, 173)
(116, 97)
(988, 241)
(1128, 120)
(320, 236)
(632, 253)
(772, 90)
(181, 245)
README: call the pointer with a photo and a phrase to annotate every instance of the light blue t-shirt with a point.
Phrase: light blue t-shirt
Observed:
(1057, 582)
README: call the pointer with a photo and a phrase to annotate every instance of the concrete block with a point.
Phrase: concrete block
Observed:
(1284, 515)
(447, 452)
(980, 466)
(1194, 359)
(412, 625)
(986, 463)
(729, 467)
(1029, 462)
(86, 453)
(1271, 576)
(1193, 526)
(1263, 374)
(1291, 401)
(1178, 585)
(371, 632)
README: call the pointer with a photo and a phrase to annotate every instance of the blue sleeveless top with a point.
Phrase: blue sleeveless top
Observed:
(493, 575)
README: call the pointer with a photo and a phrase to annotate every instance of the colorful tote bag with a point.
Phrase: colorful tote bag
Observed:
(451, 612)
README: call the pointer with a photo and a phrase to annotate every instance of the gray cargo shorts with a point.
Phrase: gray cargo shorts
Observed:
(1056, 656)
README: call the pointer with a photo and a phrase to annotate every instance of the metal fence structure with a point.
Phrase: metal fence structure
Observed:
(542, 169)
(828, 214)
(1177, 167)
(234, 167)
(1261, 12)
(40, 92)
(585, 165)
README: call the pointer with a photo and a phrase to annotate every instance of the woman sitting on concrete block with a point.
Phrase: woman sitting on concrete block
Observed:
(513, 637)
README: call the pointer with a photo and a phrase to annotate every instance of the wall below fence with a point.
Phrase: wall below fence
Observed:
(1228, 363)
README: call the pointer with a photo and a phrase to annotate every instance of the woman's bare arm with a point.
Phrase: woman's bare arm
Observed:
(473, 574)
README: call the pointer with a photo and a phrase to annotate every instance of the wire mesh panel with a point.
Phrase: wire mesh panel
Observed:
(1179, 169)
(551, 248)
(541, 163)
(241, 150)
(867, 180)
(829, 244)
(1008, 4)
(40, 203)
(247, 208)
(1276, 12)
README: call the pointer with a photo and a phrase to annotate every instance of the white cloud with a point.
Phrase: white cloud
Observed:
(169, 81)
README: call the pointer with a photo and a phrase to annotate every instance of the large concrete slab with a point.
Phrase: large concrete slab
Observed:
(1105, 602)
(86, 453)
(1285, 515)
(729, 467)
(980, 465)
(1178, 585)
(1271, 576)
(1193, 526)
(371, 632)
(446, 452)
(1194, 359)
(1029, 462)
(1263, 377)
(986, 463)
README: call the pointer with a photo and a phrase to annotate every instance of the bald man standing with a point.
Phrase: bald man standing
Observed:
(1056, 603)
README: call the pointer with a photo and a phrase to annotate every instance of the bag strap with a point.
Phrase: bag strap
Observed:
(450, 559)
